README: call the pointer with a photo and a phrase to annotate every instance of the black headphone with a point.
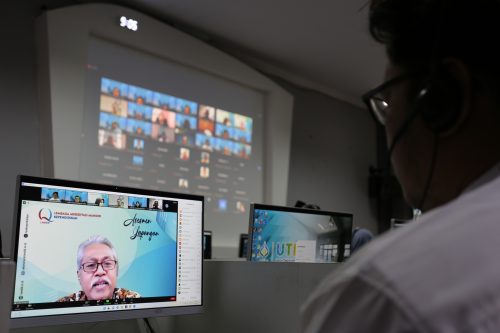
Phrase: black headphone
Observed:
(440, 104)
(440, 101)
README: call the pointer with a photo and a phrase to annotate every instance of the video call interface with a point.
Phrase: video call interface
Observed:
(180, 144)
(83, 250)
(292, 236)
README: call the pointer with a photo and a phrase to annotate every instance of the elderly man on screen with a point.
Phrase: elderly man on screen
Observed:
(97, 269)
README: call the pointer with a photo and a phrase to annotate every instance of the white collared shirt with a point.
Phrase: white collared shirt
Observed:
(440, 274)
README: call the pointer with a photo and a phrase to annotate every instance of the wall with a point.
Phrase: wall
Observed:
(333, 145)
(248, 297)
(19, 125)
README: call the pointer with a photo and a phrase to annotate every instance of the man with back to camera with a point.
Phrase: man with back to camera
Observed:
(440, 107)
(97, 270)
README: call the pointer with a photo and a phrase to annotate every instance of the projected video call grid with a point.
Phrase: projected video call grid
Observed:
(129, 113)
(149, 125)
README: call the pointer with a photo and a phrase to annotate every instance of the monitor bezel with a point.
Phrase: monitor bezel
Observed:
(207, 254)
(241, 246)
(61, 319)
(342, 239)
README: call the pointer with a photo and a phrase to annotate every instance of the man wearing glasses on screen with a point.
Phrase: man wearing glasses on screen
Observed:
(97, 265)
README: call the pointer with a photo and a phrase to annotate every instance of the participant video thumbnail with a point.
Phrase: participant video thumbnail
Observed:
(185, 107)
(225, 118)
(163, 134)
(118, 201)
(139, 112)
(184, 154)
(114, 88)
(137, 202)
(155, 203)
(183, 122)
(98, 199)
(78, 197)
(205, 142)
(140, 95)
(164, 118)
(114, 105)
(139, 127)
(53, 194)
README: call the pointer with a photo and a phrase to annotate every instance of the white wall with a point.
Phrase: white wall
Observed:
(333, 145)
(19, 124)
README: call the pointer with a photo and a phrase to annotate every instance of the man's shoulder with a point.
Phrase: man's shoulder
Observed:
(121, 293)
(444, 250)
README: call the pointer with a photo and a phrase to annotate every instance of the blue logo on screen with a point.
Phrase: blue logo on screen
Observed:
(45, 215)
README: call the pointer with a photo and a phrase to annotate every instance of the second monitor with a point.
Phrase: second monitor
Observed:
(298, 235)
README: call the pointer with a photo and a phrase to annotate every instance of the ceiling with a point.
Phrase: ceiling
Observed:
(318, 44)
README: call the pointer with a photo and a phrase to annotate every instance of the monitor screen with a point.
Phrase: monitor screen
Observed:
(87, 252)
(164, 126)
(298, 235)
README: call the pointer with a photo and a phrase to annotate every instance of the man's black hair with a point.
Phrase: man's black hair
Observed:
(420, 33)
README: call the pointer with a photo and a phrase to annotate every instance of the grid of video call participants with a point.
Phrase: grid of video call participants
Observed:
(102, 199)
(132, 115)
(153, 127)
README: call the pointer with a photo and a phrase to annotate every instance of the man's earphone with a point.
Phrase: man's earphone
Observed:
(440, 101)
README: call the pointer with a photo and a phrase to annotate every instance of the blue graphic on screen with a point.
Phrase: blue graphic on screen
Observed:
(158, 257)
(280, 235)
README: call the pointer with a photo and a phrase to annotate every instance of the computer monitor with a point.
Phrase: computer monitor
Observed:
(120, 253)
(207, 244)
(243, 246)
(297, 235)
